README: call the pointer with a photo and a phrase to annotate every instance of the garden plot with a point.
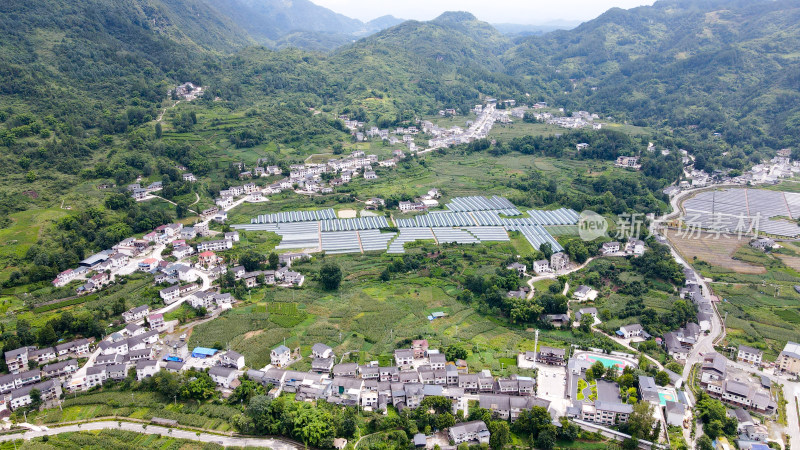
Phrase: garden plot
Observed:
(718, 252)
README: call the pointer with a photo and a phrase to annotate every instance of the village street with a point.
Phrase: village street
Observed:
(484, 123)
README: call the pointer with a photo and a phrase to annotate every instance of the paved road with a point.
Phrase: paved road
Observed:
(275, 444)
(484, 122)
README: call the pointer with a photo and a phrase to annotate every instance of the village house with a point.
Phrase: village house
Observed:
(610, 247)
(78, 347)
(475, 431)
(749, 355)
(146, 368)
(60, 369)
(517, 267)
(222, 376)
(788, 360)
(584, 311)
(280, 356)
(584, 293)
(182, 251)
(559, 261)
(628, 162)
(630, 331)
(541, 266)
(215, 246)
(136, 314)
(551, 355)
(411, 206)
(155, 321)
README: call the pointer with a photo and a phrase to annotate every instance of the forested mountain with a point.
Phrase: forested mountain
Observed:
(729, 67)
(298, 23)
(451, 60)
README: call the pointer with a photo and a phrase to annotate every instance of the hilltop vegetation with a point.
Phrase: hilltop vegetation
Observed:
(707, 67)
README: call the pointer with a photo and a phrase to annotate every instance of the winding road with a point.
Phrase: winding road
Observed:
(227, 441)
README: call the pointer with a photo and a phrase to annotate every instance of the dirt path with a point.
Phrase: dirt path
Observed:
(175, 204)
(530, 285)
(161, 114)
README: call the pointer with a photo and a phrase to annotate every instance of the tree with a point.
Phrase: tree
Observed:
(641, 421)
(118, 307)
(181, 210)
(547, 438)
(251, 260)
(546, 249)
(312, 425)
(246, 390)
(587, 320)
(438, 404)
(568, 431)
(47, 335)
(531, 422)
(273, 260)
(159, 131)
(454, 352)
(330, 275)
(500, 434)
(630, 444)
(704, 443)
(662, 378)
(36, 398)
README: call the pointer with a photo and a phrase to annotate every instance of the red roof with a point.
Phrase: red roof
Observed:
(207, 254)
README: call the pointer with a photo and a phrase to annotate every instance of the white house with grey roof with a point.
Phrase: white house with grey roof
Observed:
(749, 355)
(280, 356)
(222, 376)
(232, 359)
(475, 431)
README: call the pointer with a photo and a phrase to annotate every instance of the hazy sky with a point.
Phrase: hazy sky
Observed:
(494, 11)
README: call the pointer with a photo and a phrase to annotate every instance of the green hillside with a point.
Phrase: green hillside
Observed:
(726, 67)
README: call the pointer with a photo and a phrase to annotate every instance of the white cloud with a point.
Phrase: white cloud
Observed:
(495, 11)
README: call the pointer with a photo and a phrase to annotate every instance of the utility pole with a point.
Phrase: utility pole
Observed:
(536, 349)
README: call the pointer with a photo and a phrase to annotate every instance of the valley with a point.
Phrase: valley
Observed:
(263, 223)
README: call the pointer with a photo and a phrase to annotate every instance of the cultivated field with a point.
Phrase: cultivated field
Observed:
(715, 251)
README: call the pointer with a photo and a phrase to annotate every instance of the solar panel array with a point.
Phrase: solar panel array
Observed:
(372, 240)
(409, 235)
(444, 219)
(744, 210)
(489, 233)
(561, 216)
(477, 203)
(295, 216)
(454, 235)
(361, 223)
(793, 200)
(469, 220)
(340, 242)
(537, 236)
